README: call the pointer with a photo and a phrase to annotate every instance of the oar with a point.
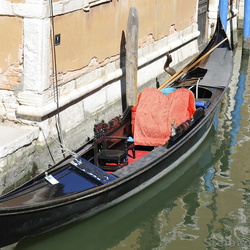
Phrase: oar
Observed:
(183, 71)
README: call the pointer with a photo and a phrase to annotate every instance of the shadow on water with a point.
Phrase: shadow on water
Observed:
(108, 228)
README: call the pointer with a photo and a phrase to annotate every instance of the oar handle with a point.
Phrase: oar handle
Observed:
(181, 71)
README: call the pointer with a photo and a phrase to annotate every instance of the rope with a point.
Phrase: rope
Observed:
(63, 148)
(55, 81)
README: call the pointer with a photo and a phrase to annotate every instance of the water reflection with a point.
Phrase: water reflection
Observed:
(239, 99)
(230, 225)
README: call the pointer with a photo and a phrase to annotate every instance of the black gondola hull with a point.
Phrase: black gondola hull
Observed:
(29, 222)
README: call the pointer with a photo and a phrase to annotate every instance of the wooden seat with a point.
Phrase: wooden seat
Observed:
(112, 153)
(111, 142)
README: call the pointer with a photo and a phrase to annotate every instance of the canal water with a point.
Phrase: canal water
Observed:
(203, 204)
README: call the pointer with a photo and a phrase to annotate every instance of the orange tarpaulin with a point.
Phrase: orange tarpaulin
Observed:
(155, 112)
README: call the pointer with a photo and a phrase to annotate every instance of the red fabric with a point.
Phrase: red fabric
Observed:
(155, 112)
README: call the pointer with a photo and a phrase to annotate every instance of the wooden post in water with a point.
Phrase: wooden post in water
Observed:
(132, 57)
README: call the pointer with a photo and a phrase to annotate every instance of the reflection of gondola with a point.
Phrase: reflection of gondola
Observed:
(85, 188)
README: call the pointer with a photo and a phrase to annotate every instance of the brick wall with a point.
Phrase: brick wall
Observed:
(10, 79)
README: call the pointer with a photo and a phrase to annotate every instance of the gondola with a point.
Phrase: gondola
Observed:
(127, 153)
